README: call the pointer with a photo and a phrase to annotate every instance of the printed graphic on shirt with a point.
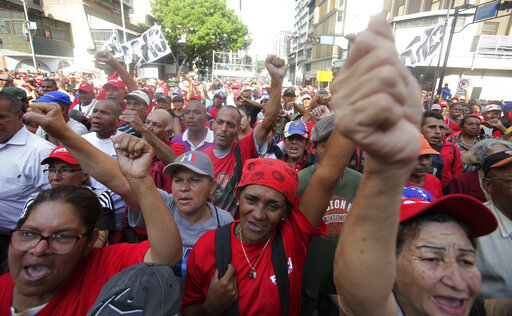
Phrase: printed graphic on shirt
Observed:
(290, 269)
(335, 216)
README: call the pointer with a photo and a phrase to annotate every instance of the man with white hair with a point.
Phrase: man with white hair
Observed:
(157, 130)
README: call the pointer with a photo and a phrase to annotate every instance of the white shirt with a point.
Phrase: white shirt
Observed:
(75, 126)
(207, 139)
(494, 258)
(21, 174)
(106, 146)
(86, 109)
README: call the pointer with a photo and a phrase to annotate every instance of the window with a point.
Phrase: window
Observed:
(490, 28)
(436, 5)
(458, 3)
(401, 10)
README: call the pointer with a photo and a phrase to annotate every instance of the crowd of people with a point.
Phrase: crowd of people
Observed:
(252, 199)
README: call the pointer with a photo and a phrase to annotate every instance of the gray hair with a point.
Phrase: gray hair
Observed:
(476, 155)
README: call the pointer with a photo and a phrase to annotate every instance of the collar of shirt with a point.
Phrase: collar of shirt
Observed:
(19, 138)
(504, 223)
(298, 165)
(208, 138)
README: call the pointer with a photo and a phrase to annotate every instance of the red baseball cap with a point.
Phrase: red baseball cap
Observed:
(116, 83)
(236, 85)
(464, 208)
(443, 103)
(147, 89)
(195, 96)
(87, 87)
(61, 153)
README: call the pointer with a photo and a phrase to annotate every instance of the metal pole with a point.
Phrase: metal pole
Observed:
(436, 74)
(27, 26)
(296, 64)
(452, 30)
(127, 63)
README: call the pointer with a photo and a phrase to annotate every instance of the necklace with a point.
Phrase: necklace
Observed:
(252, 273)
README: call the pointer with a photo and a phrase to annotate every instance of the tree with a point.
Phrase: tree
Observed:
(198, 27)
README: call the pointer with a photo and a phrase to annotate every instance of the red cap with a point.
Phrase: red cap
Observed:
(87, 87)
(443, 103)
(160, 82)
(236, 85)
(464, 208)
(147, 89)
(61, 153)
(195, 96)
(116, 83)
(39, 82)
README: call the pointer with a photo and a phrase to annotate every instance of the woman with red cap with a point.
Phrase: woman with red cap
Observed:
(273, 233)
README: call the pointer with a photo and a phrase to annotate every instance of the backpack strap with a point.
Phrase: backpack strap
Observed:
(280, 263)
(222, 259)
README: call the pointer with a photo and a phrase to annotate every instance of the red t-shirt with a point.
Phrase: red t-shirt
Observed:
(224, 166)
(81, 291)
(432, 185)
(451, 125)
(261, 295)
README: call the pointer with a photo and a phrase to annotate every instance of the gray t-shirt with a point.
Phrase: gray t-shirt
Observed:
(189, 232)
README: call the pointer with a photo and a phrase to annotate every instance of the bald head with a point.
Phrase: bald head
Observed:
(160, 123)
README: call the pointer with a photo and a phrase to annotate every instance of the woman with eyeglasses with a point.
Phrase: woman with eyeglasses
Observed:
(54, 267)
(63, 169)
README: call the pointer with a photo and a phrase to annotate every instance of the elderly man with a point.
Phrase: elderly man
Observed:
(137, 103)
(156, 130)
(494, 251)
(64, 102)
(21, 174)
(493, 125)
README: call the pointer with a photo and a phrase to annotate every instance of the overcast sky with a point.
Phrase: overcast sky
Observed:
(265, 18)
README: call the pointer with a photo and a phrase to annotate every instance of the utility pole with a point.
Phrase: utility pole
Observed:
(29, 29)
(127, 62)
(447, 54)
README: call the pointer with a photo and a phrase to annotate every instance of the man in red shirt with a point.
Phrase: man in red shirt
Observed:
(449, 164)
(228, 155)
(420, 177)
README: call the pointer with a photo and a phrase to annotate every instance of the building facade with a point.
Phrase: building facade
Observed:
(52, 40)
(480, 53)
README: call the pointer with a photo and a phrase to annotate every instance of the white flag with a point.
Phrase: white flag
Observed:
(146, 48)
(423, 47)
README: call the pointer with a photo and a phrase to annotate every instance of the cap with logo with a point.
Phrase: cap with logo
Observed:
(60, 152)
(142, 289)
(54, 97)
(87, 87)
(296, 128)
(195, 161)
(116, 83)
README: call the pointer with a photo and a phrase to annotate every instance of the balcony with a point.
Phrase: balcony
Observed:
(492, 45)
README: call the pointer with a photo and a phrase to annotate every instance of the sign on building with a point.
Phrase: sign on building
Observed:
(324, 76)
(486, 11)
(423, 47)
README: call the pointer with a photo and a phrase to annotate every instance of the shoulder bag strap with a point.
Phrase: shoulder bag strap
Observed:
(280, 263)
(222, 259)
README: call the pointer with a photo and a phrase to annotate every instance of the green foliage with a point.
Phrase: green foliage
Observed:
(198, 26)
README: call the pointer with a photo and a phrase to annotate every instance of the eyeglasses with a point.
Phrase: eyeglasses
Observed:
(24, 240)
(508, 181)
(64, 171)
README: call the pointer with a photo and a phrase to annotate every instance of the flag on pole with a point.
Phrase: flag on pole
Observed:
(423, 47)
